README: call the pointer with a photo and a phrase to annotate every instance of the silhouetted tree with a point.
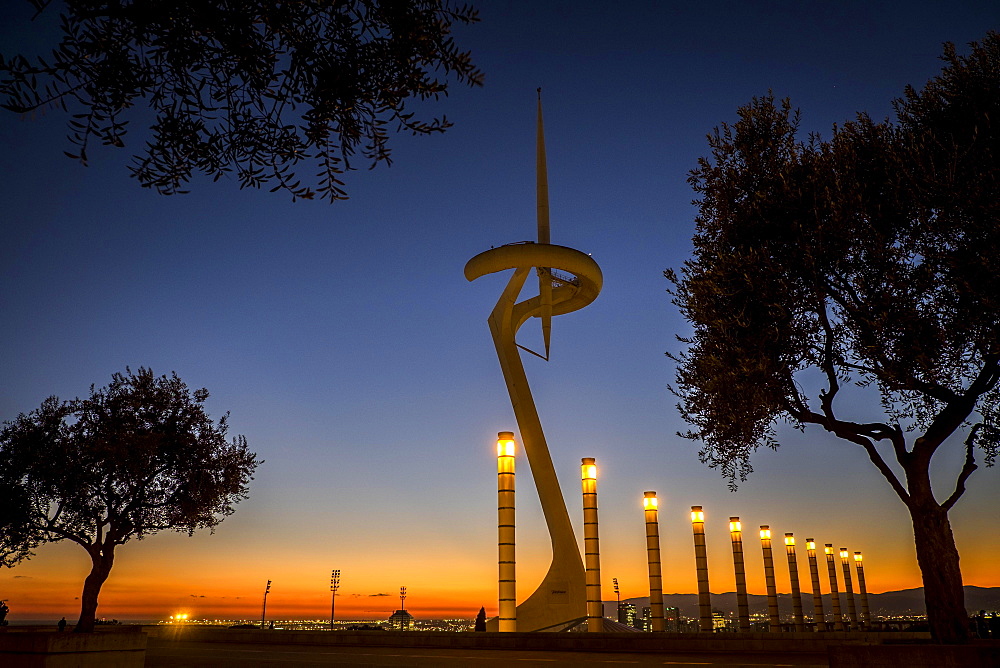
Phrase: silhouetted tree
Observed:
(259, 88)
(481, 619)
(136, 457)
(869, 260)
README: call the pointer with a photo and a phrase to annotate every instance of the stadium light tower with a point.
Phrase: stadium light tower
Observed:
(618, 596)
(334, 586)
(263, 611)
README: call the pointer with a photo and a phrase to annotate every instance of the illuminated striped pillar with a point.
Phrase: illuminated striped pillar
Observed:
(591, 546)
(507, 617)
(701, 564)
(849, 588)
(866, 619)
(774, 619)
(743, 609)
(793, 578)
(819, 617)
(838, 617)
(653, 558)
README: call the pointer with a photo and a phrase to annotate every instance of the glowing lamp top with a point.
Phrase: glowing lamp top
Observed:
(649, 501)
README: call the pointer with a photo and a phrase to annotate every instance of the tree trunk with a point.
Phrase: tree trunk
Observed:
(938, 558)
(102, 559)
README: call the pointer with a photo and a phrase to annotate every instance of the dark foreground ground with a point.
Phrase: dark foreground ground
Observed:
(162, 653)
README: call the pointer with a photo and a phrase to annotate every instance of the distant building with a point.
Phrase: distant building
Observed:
(627, 614)
(671, 620)
(401, 620)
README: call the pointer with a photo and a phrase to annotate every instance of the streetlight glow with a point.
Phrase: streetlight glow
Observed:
(857, 556)
(828, 549)
(588, 471)
(696, 514)
(765, 533)
(734, 525)
(810, 544)
(789, 539)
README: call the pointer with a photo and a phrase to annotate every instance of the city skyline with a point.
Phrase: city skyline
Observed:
(350, 351)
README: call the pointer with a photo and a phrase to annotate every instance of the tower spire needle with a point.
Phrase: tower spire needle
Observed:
(542, 204)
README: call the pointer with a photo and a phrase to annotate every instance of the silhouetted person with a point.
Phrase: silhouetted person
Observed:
(3, 613)
(62, 624)
(481, 619)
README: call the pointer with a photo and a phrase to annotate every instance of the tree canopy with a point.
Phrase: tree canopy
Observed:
(258, 89)
(865, 260)
(136, 457)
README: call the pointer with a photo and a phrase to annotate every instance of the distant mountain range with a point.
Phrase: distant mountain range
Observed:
(890, 603)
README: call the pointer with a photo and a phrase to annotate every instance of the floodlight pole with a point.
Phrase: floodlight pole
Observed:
(618, 596)
(263, 611)
(334, 586)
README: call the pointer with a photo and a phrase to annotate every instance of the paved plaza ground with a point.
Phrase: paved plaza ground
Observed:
(163, 654)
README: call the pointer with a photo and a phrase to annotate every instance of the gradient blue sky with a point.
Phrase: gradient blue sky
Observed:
(356, 359)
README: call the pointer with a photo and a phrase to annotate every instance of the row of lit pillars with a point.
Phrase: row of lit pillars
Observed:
(507, 617)
(736, 534)
(853, 622)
